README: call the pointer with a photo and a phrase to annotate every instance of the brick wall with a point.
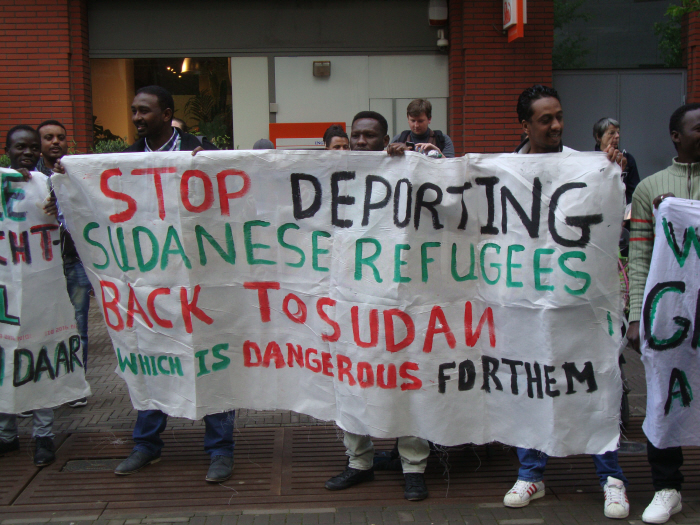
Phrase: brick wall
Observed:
(487, 73)
(45, 66)
(691, 55)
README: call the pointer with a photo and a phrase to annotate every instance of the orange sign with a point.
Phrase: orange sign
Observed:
(300, 135)
(514, 18)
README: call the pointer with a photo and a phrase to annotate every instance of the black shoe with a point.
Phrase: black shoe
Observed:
(349, 477)
(220, 469)
(78, 403)
(9, 446)
(416, 489)
(45, 452)
(135, 462)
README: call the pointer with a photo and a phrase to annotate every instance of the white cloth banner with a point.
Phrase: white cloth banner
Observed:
(40, 349)
(670, 327)
(459, 300)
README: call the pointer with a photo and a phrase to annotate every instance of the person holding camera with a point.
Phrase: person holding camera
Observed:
(420, 136)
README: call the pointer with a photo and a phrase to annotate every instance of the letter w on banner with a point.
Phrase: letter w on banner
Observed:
(459, 300)
(670, 327)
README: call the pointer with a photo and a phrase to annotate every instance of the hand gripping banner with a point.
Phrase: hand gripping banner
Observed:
(459, 300)
(40, 350)
(669, 327)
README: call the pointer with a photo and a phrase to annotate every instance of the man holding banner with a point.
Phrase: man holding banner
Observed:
(54, 145)
(369, 133)
(542, 118)
(33, 314)
(152, 113)
(663, 250)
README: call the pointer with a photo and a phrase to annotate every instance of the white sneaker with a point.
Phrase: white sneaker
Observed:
(523, 492)
(665, 504)
(616, 503)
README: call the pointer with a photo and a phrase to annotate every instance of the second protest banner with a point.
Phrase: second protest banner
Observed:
(670, 327)
(459, 300)
(40, 349)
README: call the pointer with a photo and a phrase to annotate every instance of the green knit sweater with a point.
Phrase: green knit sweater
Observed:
(683, 180)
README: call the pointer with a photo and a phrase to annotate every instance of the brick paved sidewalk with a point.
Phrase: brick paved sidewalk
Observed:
(539, 512)
(110, 410)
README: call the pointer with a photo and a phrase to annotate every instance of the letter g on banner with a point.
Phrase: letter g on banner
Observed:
(649, 311)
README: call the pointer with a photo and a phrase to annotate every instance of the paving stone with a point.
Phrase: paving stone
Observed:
(278, 519)
(309, 519)
(261, 519)
(420, 516)
(77, 520)
(358, 516)
(374, 517)
(389, 517)
(436, 515)
(521, 521)
(164, 520)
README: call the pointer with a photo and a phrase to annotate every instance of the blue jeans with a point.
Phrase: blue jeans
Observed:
(218, 433)
(43, 425)
(79, 292)
(533, 462)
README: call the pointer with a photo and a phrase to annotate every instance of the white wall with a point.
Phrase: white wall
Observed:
(301, 97)
(249, 101)
(396, 80)
(385, 84)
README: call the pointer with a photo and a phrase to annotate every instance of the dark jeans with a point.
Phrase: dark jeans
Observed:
(665, 467)
(533, 463)
(79, 292)
(218, 433)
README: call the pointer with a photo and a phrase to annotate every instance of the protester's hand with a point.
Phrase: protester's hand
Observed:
(615, 155)
(633, 335)
(59, 168)
(197, 150)
(25, 174)
(50, 207)
(660, 198)
(425, 147)
(397, 149)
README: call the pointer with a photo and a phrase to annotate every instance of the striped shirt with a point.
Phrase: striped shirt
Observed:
(683, 180)
(173, 143)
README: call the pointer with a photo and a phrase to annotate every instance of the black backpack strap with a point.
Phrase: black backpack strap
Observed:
(404, 136)
(439, 138)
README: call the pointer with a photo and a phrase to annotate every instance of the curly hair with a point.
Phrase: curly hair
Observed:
(531, 94)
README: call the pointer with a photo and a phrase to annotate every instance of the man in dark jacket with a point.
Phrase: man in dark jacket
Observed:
(152, 113)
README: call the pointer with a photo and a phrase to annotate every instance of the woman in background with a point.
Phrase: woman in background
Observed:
(606, 132)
